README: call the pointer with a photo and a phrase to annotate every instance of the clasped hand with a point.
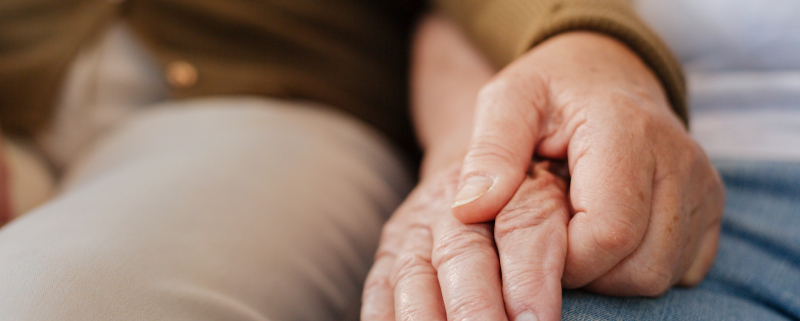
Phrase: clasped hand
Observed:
(430, 266)
(497, 239)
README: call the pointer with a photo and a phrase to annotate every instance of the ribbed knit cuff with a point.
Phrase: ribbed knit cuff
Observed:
(506, 29)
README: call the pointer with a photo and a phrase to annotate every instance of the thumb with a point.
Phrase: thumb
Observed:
(505, 132)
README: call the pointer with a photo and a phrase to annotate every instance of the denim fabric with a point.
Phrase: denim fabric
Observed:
(757, 272)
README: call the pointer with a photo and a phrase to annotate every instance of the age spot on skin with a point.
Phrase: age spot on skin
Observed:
(674, 223)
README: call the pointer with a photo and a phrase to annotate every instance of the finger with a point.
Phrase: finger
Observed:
(611, 188)
(652, 268)
(469, 271)
(417, 295)
(377, 301)
(531, 234)
(378, 296)
(682, 230)
(704, 260)
(711, 197)
(505, 133)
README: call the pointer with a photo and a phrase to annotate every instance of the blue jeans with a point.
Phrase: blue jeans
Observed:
(757, 272)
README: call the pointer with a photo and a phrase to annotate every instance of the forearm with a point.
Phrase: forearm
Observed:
(446, 75)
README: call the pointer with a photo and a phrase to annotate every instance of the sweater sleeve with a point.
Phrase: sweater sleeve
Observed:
(505, 29)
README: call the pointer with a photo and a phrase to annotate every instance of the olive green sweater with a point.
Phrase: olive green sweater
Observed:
(351, 54)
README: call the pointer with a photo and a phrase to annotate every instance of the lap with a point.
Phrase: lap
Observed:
(234, 209)
(204, 210)
(757, 272)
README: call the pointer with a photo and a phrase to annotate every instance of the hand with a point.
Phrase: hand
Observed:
(430, 266)
(645, 199)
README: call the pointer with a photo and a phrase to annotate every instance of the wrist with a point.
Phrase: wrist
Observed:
(438, 157)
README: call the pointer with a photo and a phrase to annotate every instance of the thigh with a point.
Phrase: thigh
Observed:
(217, 209)
(756, 275)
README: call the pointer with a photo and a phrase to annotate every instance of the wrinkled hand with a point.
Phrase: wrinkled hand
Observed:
(646, 202)
(430, 266)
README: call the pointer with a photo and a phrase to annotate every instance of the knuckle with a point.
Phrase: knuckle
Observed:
(510, 221)
(390, 239)
(528, 282)
(616, 236)
(410, 265)
(692, 278)
(461, 244)
(684, 157)
(526, 216)
(389, 231)
(688, 156)
(641, 122)
(573, 278)
(375, 284)
(489, 148)
(653, 281)
(384, 253)
(463, 307)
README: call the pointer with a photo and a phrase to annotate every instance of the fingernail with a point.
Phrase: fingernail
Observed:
(474, 187)
(527, 316)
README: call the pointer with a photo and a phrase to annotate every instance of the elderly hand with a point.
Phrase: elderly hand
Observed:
(646, 202)
(430, 266)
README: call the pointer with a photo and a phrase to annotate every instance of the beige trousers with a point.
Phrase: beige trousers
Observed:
(235, 208)
(218, 209)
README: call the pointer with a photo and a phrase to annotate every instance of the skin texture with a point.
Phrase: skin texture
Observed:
(641, 204)
(431, 266)
(646, 201)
